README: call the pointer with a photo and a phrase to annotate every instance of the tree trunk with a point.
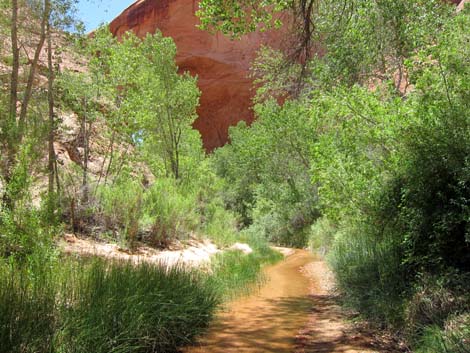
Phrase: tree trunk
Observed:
(111, 152)
(32, 72)
(85, 157)
(15, 65)
(10, 127)
(50, 99)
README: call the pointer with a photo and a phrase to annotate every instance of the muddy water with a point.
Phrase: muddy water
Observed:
(268, 320)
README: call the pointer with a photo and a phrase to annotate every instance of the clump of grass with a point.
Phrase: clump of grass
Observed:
(369, 274)
(234, 273)
(27, 308)
(453, 338)
(100, 306)
(121, 307)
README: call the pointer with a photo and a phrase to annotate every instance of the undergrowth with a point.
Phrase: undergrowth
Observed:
(71, 305)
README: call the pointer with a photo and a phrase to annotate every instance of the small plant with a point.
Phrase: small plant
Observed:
(453, 338)
(170, 213)
(121, 208)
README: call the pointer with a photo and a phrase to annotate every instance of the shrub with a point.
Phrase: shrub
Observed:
(454, 338)
(369, 273)
(168, 213)
(220, 225)
(457, 333)
(322, 235)
(281, 229)
(121, 208)
(22, 232)
(434, 301)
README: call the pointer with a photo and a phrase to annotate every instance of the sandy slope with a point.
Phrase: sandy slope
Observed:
(192, 253)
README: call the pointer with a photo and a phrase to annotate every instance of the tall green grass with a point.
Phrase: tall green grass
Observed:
(120, 307)
(322, 235)
(234, 273)
(101, 307)
(369, 273)
(27, 308)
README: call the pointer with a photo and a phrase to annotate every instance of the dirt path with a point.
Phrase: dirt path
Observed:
(327, 330)
(280, 319)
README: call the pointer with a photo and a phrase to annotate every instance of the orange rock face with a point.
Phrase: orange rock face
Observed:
(222, 65)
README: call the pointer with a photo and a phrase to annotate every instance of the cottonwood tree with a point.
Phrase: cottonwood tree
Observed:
(363, 40)
(23, 19)
(20, 89)
(168, 99)
(155, 104)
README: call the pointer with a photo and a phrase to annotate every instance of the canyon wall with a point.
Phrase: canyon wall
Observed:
(221, 64)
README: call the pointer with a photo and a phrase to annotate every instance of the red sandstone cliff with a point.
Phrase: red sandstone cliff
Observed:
(221, 64)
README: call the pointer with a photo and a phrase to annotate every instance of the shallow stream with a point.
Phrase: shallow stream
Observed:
(267, 320)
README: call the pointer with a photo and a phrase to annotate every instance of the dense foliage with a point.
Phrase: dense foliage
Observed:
(268, 167)
(111, 130)
(372, 154)
(360, 149)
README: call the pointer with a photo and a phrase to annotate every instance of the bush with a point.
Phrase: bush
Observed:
(22, 232)
(220, 225)
(121, 208)
(169, 214)
(322, 234)
(287, 228)
(369, 273)
(457, 334)
(435, 300)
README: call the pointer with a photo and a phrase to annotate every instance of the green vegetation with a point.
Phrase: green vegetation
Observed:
(268, 168)
(137, 174)
(368, 154)
(366, 159)
(99, 305)
(235, 273)
(452, 339)
(102, 307)
(122, 307)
